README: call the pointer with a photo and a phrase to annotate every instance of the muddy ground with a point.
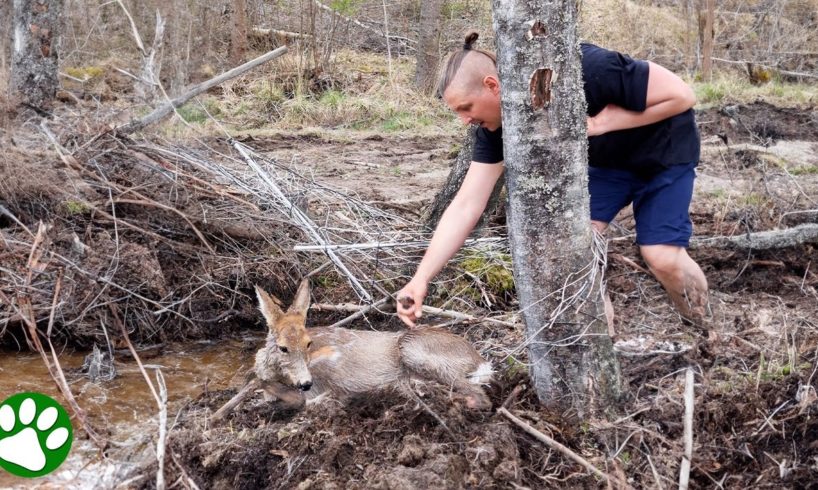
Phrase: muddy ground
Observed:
(755, 404)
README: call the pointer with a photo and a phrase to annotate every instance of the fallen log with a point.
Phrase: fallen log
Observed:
(165, 109)
(762, 240)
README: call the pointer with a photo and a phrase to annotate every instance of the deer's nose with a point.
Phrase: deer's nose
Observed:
(305, 386)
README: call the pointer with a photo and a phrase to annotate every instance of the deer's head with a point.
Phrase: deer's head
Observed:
(285, 356)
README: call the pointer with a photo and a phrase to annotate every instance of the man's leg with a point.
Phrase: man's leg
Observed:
(681, 277)
(663, 230)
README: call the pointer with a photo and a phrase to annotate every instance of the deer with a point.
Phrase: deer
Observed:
(338, 363)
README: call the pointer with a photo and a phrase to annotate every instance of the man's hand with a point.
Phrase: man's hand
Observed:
(600, 124)
(410, 302)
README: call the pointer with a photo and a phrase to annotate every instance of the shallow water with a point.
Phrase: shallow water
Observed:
(120, 407)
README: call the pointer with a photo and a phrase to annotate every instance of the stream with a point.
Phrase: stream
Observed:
(122, 408)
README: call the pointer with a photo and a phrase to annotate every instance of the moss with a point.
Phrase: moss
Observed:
(514, 367)
(85, 72)
(76, 207)
(493, 269)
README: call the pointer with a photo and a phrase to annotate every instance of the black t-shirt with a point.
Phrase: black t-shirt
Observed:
(614, 78)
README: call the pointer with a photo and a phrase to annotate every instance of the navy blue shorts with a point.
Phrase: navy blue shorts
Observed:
(660, 205)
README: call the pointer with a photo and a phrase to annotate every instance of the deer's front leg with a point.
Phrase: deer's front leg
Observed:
(284, 396)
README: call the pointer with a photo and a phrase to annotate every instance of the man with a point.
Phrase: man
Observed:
(643, 147)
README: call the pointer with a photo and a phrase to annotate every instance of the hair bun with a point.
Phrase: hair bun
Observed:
(471, 38)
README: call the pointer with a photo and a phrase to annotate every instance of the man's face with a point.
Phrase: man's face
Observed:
(479, 106)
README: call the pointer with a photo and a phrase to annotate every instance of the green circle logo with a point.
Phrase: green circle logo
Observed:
(35, 434)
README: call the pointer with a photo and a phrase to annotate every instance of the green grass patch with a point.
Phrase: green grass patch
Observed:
(733, 88)
(805, 170)
(405, 121)
(753, 200)
(196, 112)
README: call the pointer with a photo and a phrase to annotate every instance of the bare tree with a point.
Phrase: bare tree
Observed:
(5, 26)
(432, 214)
(428, 54)
(35, 51)
(556, 266)
(238, 35)
(707, 33)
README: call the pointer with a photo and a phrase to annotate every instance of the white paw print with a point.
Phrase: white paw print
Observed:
(24, 448)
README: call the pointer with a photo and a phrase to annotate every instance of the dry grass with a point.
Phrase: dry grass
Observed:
(642, 30)
(359, 95)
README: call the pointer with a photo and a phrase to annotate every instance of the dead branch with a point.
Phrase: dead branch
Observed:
(559, 447)
(772, 68)
(762, 240)
(152, 203)
(163, 428)
(363, 311)
(26, 312)
(304, 222)
(454, 315)
(169, 107)
(360, 24)
(236, 400)
(265, 32)
(10, 215)
(422, 244)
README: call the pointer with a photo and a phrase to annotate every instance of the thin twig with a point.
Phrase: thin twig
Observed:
(422, 244)
(115, 313)
(512, 397)
(163, 424)
(361, 312)
(556, 445)
(684, 470)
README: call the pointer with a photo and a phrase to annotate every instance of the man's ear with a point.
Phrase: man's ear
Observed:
(269, 308)
(301, 303)
(492, 84)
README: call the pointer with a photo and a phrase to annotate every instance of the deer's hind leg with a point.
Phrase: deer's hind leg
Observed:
(449, 360)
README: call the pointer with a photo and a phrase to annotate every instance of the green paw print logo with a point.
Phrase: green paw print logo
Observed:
(35, 434)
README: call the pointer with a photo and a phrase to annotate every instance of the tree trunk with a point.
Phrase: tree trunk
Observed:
(453, 182)
(35, 52)
(238, 35)
(556, 270)
(428, 53)
(688, 49)
(5, 39)
(707, 35)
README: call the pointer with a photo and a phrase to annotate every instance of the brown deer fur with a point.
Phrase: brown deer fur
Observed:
(339, 363)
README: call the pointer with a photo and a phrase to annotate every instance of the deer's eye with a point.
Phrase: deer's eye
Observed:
(283, 349)
(309, 344)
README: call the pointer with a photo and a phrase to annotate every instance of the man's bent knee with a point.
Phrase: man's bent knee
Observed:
(663, 259)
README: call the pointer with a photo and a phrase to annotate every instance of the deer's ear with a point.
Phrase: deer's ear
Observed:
(269, 308)
(301, 303)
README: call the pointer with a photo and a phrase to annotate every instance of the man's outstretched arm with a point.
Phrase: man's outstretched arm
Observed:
(454, 227)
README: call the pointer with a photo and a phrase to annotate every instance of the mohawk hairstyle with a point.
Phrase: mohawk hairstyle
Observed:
(452, 66)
